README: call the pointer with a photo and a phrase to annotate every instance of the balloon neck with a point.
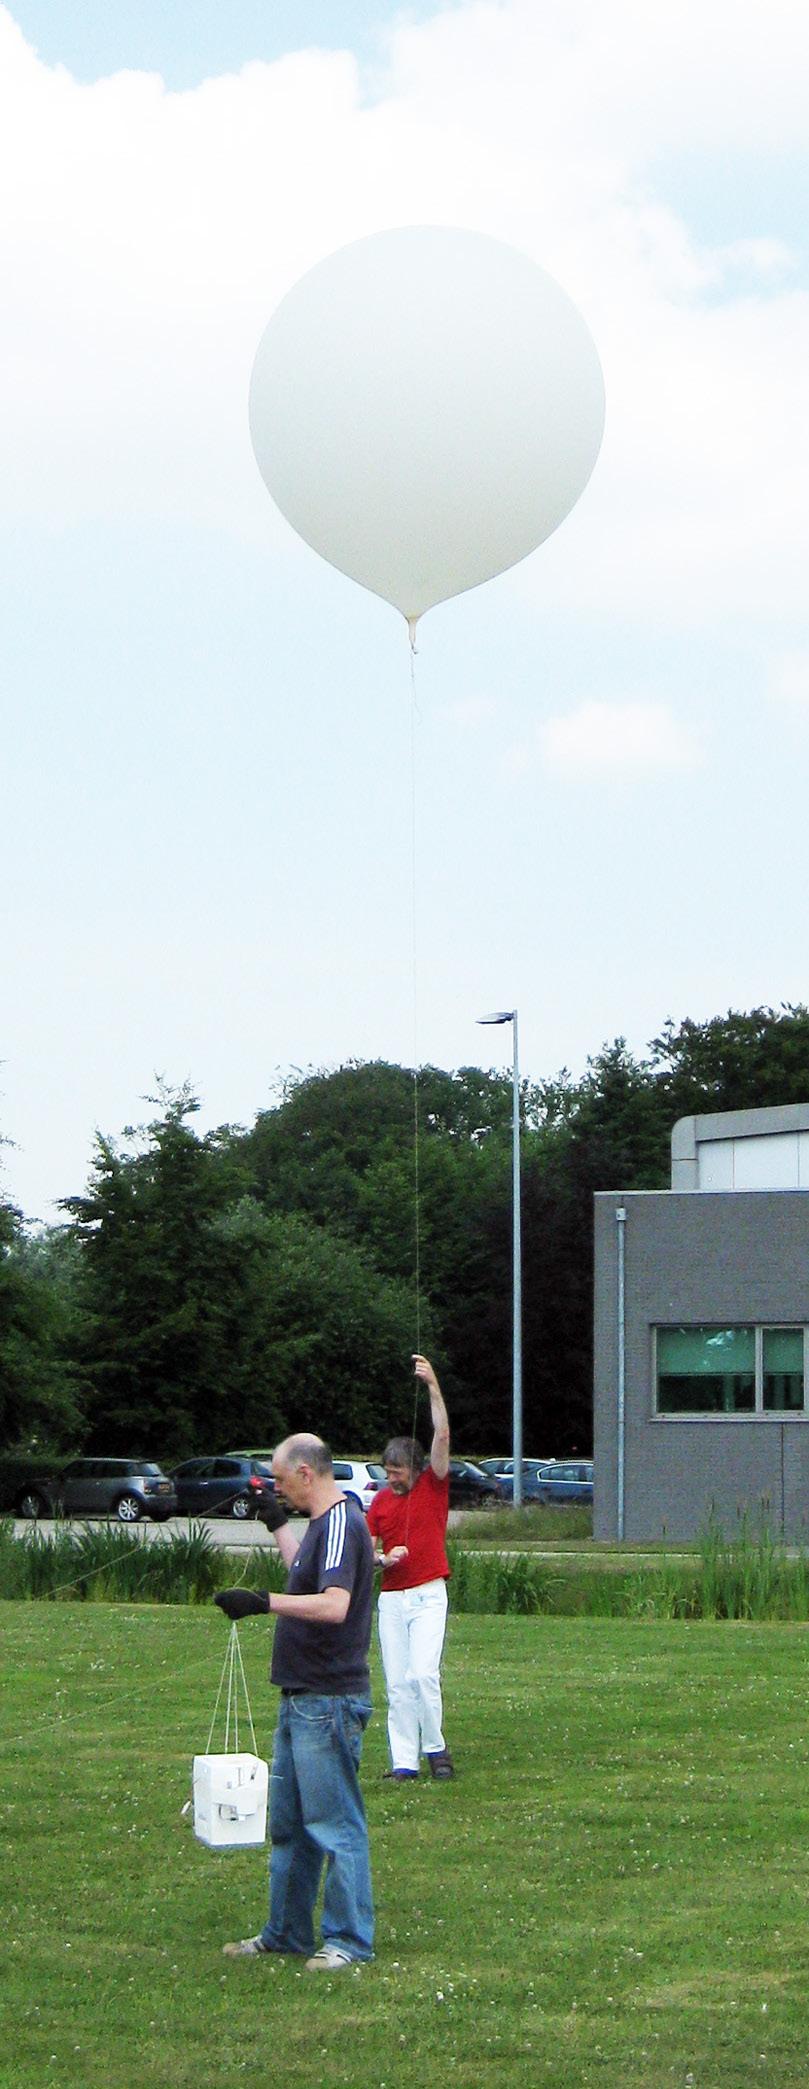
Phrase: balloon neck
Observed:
(411, 631)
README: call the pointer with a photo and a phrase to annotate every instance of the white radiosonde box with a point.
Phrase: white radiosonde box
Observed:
(230, 1800)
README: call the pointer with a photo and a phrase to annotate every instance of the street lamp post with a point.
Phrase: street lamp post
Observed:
(509, 1015)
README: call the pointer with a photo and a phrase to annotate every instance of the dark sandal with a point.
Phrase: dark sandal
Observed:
(441, 1763)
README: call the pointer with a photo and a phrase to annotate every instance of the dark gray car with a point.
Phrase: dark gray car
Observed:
(559, 1482)
(470, 1487)
(127, 1488)
(232, 1486)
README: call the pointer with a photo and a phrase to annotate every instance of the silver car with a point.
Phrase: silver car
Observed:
(127, 1488)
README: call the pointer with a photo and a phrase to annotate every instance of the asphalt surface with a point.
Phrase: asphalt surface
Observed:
(228, 1532)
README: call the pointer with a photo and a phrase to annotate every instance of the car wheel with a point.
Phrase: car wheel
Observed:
(31, 1505)
(241, 1508)
(128, 1509)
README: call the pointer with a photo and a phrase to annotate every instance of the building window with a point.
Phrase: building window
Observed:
(782, 1369)
(706, 1370)
(729, 1370)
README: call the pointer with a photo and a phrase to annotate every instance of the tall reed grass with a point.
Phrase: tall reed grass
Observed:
(97, 1563)
(751, 1575)
(487, 1583)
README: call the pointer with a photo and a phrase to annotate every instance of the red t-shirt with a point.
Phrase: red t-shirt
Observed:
(417, 1520)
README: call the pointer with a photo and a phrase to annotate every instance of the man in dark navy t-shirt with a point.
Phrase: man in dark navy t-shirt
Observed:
(320, 1663)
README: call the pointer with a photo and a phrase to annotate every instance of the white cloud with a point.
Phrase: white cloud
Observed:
(146, 236)
(618, 739)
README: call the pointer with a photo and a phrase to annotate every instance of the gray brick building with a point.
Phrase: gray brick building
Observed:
(702, 1334)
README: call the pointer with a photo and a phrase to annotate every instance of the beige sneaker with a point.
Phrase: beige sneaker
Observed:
(249, 1947)
(329, 1959)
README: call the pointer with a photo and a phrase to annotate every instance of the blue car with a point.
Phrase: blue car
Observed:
(502, 1470)
(560, 1482)
(573, 1482)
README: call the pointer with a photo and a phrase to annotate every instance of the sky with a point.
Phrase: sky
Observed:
(213, 767)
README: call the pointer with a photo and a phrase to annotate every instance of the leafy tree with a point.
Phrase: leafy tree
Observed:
(40, 1396)
(311, 1333)
(215, 1290)
(210, 1321)
(330, 1130)
(605, 1131)
(149, 1279)
(734, 1062)
(342, 1148)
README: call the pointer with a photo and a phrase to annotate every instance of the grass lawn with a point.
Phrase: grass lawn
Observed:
(614, 1890)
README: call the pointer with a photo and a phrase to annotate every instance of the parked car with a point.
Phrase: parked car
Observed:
(124, 1487)
(531, 1484)
(503, 1468)
(356, 1476)
(237, 1486)
(563, 1481)
(532, 1478)
(470, 1487)
(567, 1482)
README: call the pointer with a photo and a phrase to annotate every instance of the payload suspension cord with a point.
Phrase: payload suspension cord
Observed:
(233, 1670)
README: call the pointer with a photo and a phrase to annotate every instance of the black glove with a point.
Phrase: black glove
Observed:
(274, 1515)
(242, 1603)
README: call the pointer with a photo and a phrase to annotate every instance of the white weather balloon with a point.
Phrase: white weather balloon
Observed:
(426, 406)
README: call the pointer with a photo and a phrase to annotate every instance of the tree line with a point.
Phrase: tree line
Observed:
(215, 1290)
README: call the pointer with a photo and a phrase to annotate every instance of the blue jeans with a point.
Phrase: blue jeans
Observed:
(317, 1814)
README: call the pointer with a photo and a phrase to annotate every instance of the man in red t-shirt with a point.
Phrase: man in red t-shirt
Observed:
(408, 1522)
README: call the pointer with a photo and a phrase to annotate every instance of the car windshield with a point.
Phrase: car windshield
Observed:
(150, 1469)
(377, 1472)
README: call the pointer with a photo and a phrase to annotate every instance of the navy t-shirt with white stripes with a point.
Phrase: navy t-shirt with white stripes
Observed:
(332, 1660)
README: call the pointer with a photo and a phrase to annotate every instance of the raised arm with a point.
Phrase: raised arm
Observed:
(275, 1519)
(439, 1448)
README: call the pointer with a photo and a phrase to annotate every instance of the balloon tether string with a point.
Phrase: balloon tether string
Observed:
(411, 625)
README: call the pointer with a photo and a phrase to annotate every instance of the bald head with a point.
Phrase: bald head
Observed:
(304, 1475)
(304, 1450)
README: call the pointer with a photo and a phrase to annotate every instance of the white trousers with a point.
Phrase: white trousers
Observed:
(412, 1623)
